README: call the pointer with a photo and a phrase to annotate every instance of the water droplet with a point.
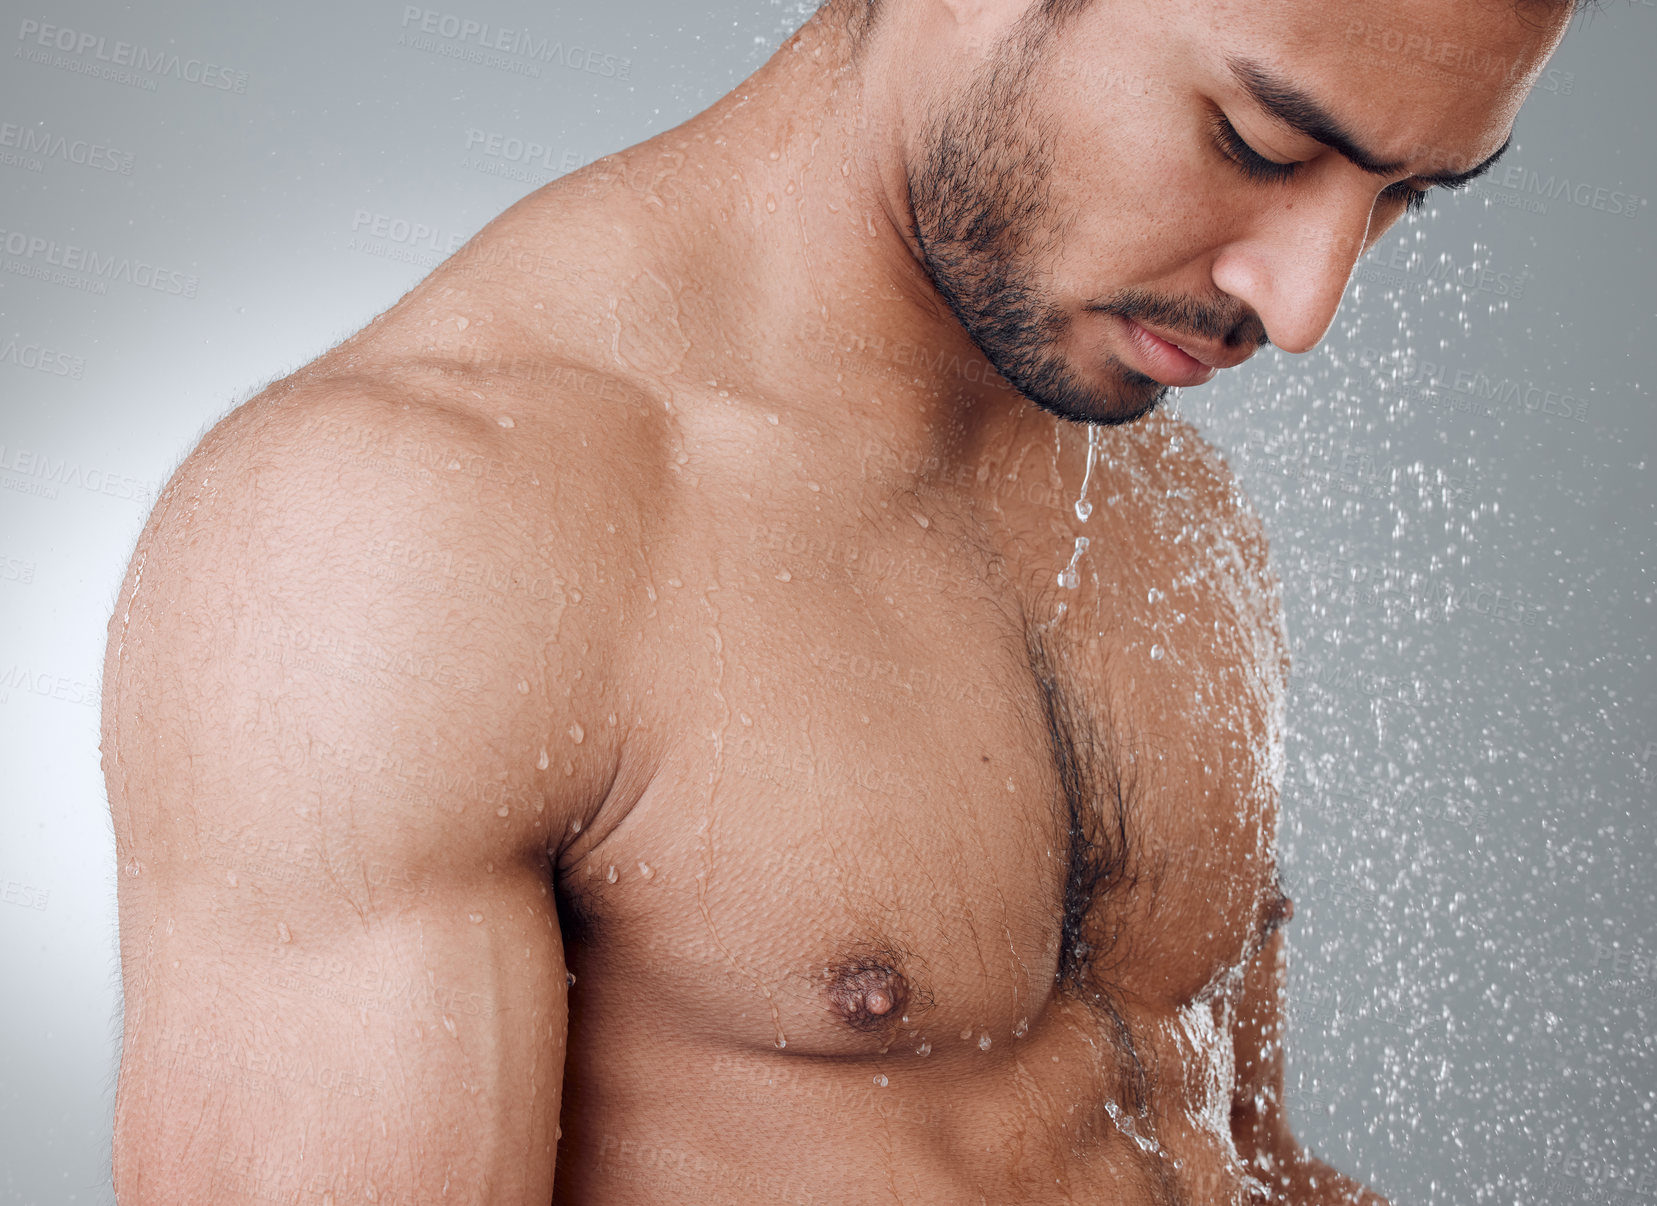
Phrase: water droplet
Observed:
(569, 979)
(1022, 1029)
(925, 1048)
(880, 1079)
(612, 877)
(781, 1042)
(449, 1025)
(542, 761)
(984, 1041)
(575, 825)
(771, 419)
(577, 733)
(474, 918)
(784, 576)
(230, 878)
(646, 870)
(134, 866)
(462, 321)
(505, 810)
(967, 1033)
(1156, 653)
(1068, 577)
(523, 687)
(923, 521)
(505, 421)
(283, 934)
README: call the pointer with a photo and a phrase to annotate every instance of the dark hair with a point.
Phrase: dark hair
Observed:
(863, 14)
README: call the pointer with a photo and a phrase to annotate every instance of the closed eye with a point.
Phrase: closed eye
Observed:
(1257, 168)
(1249, 161)
(1415, 198)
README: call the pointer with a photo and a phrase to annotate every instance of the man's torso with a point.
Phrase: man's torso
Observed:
(925, 875)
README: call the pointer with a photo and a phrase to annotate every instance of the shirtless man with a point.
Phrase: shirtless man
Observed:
(638, 723)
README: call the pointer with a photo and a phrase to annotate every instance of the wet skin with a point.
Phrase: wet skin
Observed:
(623, 715)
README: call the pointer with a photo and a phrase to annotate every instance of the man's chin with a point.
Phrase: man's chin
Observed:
(1129, 399)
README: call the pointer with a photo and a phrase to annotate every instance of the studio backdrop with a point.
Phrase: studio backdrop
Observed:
(197, 198)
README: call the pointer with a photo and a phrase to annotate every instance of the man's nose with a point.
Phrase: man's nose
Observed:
(1292, 265)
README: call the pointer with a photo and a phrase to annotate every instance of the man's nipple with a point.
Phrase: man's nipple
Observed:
(867, 996)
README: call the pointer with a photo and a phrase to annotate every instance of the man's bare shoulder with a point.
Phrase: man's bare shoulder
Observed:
(496, 480)
(364, 540)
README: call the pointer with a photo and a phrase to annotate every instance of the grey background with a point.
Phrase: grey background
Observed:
(1457, 485)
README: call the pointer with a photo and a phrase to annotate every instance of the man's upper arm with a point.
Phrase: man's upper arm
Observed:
(1259, 1119)
(339, 739)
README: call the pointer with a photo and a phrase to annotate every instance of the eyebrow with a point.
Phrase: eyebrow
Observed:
(1301, 113)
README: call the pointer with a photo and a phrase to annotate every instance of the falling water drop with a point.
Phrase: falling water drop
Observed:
(1068, 577)
(1095, 442)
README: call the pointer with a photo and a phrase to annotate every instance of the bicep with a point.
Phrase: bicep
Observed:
(1259, 1119)
(342, 968)
(278, 1046)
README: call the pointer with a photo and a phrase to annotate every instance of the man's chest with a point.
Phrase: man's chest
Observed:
(905, 800)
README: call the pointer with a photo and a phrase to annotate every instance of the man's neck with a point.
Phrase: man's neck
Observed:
(791, 213)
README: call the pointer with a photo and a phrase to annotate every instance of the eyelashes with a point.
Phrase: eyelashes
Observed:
(1260, 170)
(1252, 164)
(1414, 198)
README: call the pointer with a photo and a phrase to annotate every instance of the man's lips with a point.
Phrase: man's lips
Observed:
(1163, 361)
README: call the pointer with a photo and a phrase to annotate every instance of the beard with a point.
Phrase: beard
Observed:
(984, 225)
